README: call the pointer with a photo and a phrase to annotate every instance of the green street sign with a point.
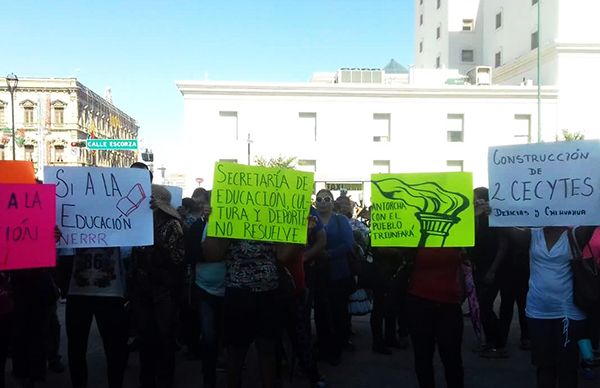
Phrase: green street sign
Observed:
(112, 144)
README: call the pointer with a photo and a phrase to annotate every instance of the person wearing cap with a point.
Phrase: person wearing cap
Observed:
(158, 276)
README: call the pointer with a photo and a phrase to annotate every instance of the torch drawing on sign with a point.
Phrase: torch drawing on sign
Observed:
(437, 208)
(129, 203)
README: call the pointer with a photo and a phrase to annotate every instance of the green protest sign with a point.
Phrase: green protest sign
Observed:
(422, 210)
(260, 203)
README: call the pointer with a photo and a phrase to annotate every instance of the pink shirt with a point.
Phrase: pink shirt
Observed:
(593, 247)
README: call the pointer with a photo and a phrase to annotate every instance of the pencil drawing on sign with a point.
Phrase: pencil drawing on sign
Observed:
(437, 208)
(131, 202)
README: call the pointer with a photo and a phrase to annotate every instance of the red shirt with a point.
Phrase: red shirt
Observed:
(437, 275)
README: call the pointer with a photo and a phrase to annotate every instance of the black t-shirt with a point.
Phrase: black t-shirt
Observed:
(193, 242)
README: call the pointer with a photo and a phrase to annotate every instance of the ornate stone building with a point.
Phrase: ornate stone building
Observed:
(54, 117)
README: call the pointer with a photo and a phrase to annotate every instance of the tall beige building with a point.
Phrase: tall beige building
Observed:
(54, 117)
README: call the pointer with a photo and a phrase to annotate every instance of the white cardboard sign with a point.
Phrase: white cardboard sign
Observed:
(545, 184)
(102, 207)
(176, 195)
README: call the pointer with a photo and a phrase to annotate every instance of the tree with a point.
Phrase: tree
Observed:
(280, 161)
(570, 136)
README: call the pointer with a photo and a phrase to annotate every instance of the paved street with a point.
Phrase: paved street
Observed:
(361, 368)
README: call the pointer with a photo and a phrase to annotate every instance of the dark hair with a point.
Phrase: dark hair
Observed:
(201, 192)
(143, 166)
(188, 203)
(325, 191)
(482, 193)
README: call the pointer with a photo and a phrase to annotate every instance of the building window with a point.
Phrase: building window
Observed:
(455, 128)
(307, 165)
(421, 46)
(438, 32)
(421, 2)
(421, 20)
(467, 56)
(28, 115)
(58, 153)
(381, 167)
(522, 131)
(467, 25)
(29, 152)
(455, 165)
(439, 4)
(498, 59)
(59, 115)
(534, 2)
(534, 40)
(498, 20)
(228, 124)
(438, 62)
(1, 113)
(308, 125)
(381, 127)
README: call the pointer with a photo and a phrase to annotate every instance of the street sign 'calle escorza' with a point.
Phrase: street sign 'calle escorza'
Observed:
(112, 144)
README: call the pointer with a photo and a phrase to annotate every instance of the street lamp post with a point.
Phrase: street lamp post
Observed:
(12, 81)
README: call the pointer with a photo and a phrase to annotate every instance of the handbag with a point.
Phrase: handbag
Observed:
(586, 278)
(360, 303)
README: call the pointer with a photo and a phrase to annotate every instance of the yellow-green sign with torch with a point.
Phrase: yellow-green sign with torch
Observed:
(422, 210)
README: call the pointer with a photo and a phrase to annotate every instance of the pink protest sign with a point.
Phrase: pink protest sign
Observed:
(27, 220)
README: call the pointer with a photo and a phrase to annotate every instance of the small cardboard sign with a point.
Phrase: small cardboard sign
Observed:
(27, 220)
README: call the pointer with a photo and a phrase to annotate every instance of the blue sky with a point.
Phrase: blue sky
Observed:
(140, 48)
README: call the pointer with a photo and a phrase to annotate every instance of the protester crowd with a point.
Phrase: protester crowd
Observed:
(214, 297)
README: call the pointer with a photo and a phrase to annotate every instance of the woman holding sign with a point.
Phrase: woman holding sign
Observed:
(251, 304)
(556, 323)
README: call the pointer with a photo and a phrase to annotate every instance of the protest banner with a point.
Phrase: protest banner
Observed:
(176, 195)
(260, 203)
(422, 210)
(102, 207)
(27, 219)
(16, 171)
(545, 184)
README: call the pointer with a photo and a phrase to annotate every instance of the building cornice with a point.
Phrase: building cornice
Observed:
(529, 60)
(193, 89)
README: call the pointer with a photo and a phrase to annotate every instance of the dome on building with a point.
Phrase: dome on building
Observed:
(394, 67)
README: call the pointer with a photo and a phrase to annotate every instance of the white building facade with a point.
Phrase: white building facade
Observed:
(346, 132)
(425, 119)
(503, 34)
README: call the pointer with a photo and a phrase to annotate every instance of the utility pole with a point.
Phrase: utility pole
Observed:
(249, 141)
(539, 77)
